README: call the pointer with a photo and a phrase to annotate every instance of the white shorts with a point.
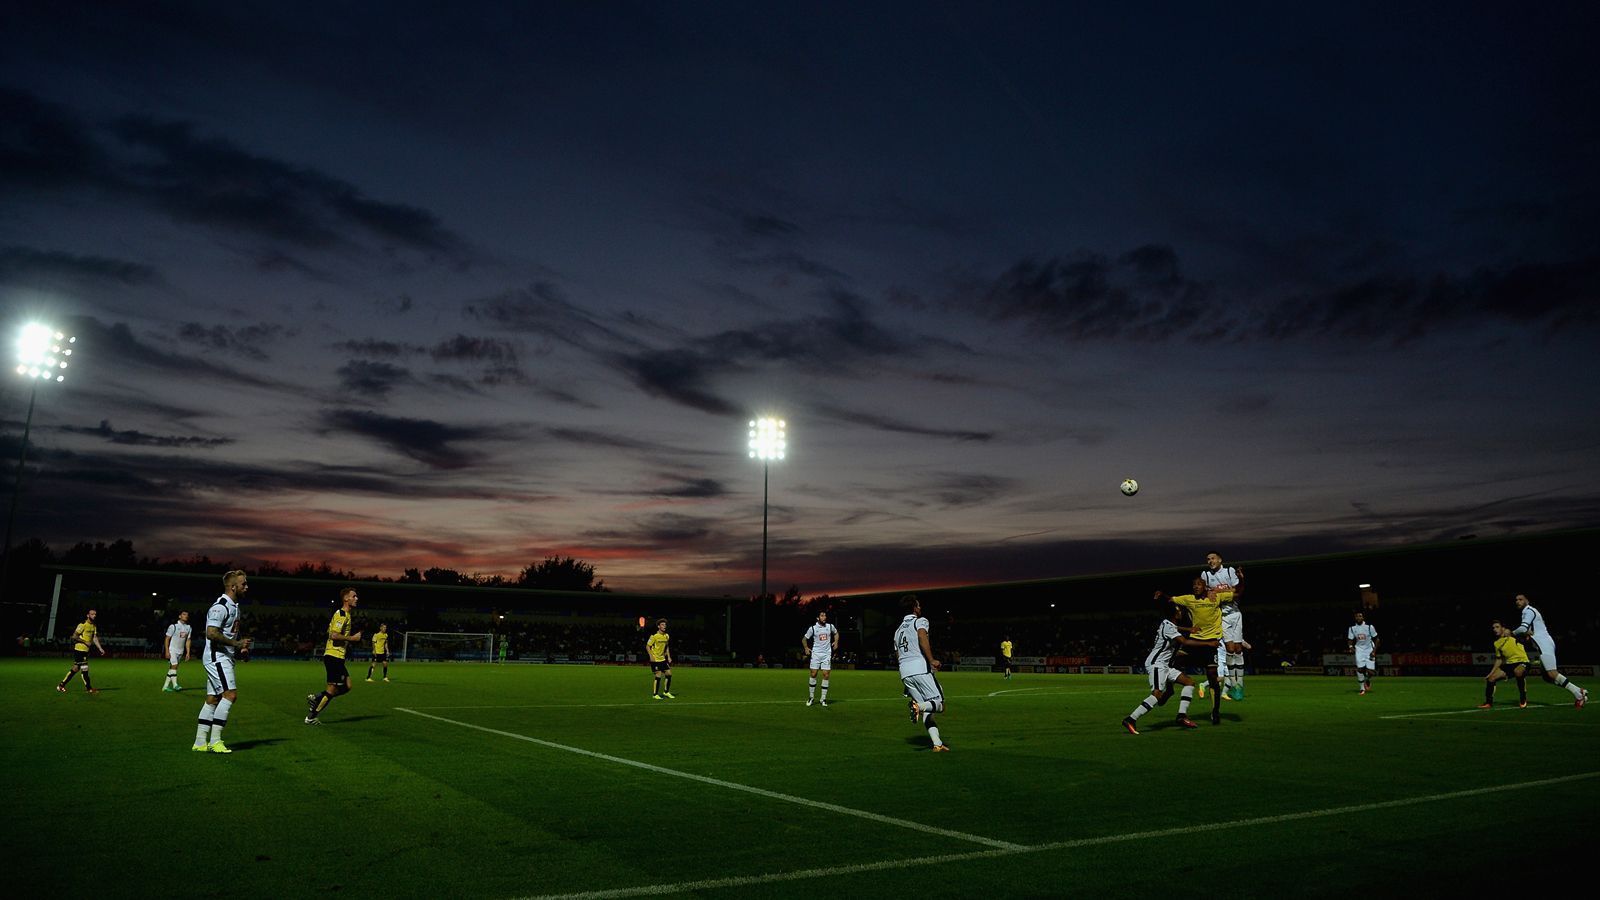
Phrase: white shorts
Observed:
(1233, 628)
(1364, 660)
(1160, 677)
(822, 662)
(925, 690)
(219, 675)
(1547, 654)
(175, 658)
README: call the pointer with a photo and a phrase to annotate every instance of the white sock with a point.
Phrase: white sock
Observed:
(1150, 702)
(933, 732)
(824, 688)
(220, 719)
(1576, 691)
(811, 692)
(1183, 699)
(203, 733)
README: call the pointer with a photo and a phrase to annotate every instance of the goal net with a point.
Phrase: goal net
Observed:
(433, 646)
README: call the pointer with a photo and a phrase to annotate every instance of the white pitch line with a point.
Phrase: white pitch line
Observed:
(805, 874)
(642, 703)
(733, 786)
(1467, 712)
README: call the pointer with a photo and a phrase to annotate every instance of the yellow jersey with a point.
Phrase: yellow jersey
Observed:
(1509, 652)
(380, 642)
(1005, 649)
(339, 624)
(1206, 616)
(83, 636)
(657, 646)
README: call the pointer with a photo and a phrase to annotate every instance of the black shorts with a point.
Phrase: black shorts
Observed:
(659, 666)
(1005, 661)
(337, 674)
(79, 657)
(380, 657)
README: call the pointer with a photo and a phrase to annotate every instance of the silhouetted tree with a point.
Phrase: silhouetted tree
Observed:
(561, 574)
(437, 575)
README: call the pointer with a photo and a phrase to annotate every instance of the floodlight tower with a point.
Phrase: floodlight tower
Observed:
(42, 354)
(767, 443)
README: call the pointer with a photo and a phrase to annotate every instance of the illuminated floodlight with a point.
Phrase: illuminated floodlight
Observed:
(767, 439)
(42, 353)
(1363, 586)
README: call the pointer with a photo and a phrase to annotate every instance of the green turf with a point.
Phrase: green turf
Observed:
(107, 800)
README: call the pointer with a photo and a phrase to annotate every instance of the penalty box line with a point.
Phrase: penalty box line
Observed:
(885, 865)
(730, 785)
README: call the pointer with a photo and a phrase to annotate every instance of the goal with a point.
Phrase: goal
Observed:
(435, 646)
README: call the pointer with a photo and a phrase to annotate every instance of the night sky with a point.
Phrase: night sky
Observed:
(391, 285)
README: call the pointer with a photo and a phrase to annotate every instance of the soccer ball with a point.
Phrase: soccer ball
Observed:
(1130, 487)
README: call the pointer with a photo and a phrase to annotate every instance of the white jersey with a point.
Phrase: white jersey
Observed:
(178, 637)
(1224, 578)
(821, 639)
(908, 648)
(1160, 656)
(1533, 625)
(224, 616)
(1362, 636)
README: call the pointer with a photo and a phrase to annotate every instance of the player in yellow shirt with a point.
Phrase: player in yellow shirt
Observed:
(1205, 612)
(84, 635)
(340, 637)
(660, 662)
(1508, 655)
(380, 652)
(1005, 656)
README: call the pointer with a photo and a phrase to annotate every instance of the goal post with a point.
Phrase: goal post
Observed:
(440, 646)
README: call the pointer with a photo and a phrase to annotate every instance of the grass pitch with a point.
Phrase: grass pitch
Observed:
(531, 781)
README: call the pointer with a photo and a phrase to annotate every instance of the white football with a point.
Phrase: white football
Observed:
(1130, 487)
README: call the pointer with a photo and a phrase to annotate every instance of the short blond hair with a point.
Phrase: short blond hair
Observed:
(231, 577)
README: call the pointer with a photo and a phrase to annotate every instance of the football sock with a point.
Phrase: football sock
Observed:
(369, 673)
(666, 687)
(1149, 703)
(68, 679)
(933, 730)
(1522, 689)
(323, 699)
(386, 670)
(220, 718)
(203, 735)
(1561, 682)
(1184, 698)
(1488, 692)
(89, 687)
(824, 689)
(172, 676)
(811, 690)
(655, 685)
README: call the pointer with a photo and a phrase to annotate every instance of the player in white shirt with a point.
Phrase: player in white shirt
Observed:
(1363, 640)
(222, 644)
(1219, 579)
(1534, 630)
(1159, 670)
(819, 642)
(917, 668)
(177, 646)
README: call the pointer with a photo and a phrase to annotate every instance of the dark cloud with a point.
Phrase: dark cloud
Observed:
(244, 341)
(476, 349)
(140, 439)
(762, 225)
(590, 438)
(788, 262)
(380, 349)
(111, 346)
(1143, 296)
(663, 531)
(208, 181)
(888, 423)
(692, 488)
(372, 379)
(24, 265)
(542, 308)
(431, 443)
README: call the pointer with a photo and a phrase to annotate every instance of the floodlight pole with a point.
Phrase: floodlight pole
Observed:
(16, 489)
(766, 469)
